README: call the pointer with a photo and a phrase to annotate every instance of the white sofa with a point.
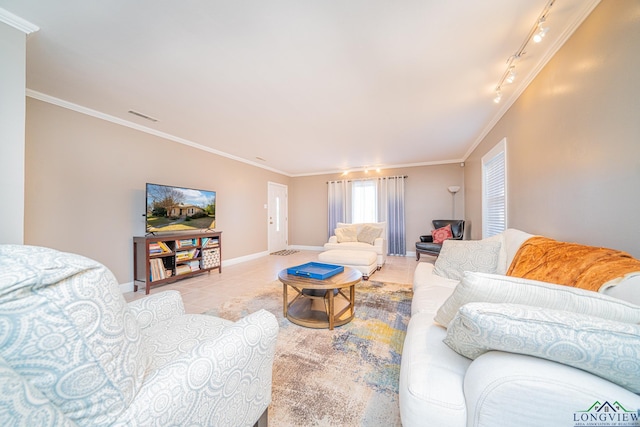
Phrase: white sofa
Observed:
(506, 386)
(379, 245)
(74, 353)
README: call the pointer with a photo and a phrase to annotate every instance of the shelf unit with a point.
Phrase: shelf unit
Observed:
(170, 257)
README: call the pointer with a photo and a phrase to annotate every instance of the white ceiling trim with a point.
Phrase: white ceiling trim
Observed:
(550, 53)
(109, 118)
(99, 115)
(384, 167)
(16, 22)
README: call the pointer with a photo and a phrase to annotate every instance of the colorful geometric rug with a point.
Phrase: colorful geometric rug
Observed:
(345, 377)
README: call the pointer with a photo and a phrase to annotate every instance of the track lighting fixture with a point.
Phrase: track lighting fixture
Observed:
(539, 35)
(536, 35)
(511, 75)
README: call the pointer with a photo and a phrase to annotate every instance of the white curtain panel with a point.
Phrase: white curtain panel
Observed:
(391, 210)
(337, 204)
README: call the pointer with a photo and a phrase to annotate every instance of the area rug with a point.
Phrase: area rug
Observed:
(345, 377)
(284, 252)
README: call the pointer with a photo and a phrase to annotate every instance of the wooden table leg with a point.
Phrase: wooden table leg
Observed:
(331, 318)
(352, 294)
(285, 300)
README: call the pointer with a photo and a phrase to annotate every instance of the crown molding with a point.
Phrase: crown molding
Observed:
(16, 22)
(109, 118)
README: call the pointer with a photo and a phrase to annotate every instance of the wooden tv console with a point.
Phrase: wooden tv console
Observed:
(165, 258)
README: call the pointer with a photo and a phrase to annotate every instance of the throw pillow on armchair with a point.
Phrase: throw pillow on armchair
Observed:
(442, 234)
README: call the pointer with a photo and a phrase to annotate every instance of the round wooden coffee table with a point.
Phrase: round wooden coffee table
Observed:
(312, 294)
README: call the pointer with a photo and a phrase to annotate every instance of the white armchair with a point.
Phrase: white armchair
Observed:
(73, 352)
(377, 245)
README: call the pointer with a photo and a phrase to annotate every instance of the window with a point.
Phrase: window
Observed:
(494, 190)
(364, 205)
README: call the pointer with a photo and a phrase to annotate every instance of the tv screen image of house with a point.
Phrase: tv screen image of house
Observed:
(179, 209)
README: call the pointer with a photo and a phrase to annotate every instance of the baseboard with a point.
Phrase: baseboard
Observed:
(306, 248)
(126, 287)
(245, 258)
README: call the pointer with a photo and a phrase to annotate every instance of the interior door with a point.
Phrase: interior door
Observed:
(278, 217)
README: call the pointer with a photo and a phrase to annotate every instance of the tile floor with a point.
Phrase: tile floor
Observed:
(210, 289)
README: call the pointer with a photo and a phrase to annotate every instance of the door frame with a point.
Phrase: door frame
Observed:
(270, 204)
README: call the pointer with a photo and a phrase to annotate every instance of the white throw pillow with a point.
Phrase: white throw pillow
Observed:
(346, 234)
(605, 348)
(480, 287)
(369, 234)
(458, 256)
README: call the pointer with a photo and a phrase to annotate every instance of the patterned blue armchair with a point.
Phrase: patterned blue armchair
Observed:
(74, 353)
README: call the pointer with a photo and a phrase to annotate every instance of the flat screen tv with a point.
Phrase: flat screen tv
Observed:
(171, 209)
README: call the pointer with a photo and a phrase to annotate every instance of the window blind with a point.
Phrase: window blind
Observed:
(494, 194)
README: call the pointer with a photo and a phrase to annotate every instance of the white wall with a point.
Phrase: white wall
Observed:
(12, 121)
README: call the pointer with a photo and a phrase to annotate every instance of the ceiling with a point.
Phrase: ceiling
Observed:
(300, 87)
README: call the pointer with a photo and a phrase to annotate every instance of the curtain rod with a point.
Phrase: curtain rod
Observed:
(370, 179)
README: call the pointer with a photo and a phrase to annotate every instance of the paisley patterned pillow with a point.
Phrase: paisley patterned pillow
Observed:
(605, 348)
(458, 256)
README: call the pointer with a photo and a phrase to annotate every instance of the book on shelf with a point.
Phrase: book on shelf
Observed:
(185, 243)
(158, 271)
(187, 254)
(183, 269)
(156, 248)
(194, 265)
(210, 242)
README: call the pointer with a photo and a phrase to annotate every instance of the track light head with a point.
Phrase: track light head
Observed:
(539, 35)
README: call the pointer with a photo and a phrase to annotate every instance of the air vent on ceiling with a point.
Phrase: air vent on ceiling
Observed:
(144, 116)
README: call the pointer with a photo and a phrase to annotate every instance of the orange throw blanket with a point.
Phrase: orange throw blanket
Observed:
(571, 264)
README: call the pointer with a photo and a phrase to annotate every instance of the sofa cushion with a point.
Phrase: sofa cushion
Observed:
(431, 377)
(458, 256)
(605, 348)
(429, 291)
(626, 288)
(508, 389)
(493, 288)
(369, 234)
(510, 240)
(441, 234)
(346, 234)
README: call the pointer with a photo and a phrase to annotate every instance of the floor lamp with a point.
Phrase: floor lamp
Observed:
(453, 189)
